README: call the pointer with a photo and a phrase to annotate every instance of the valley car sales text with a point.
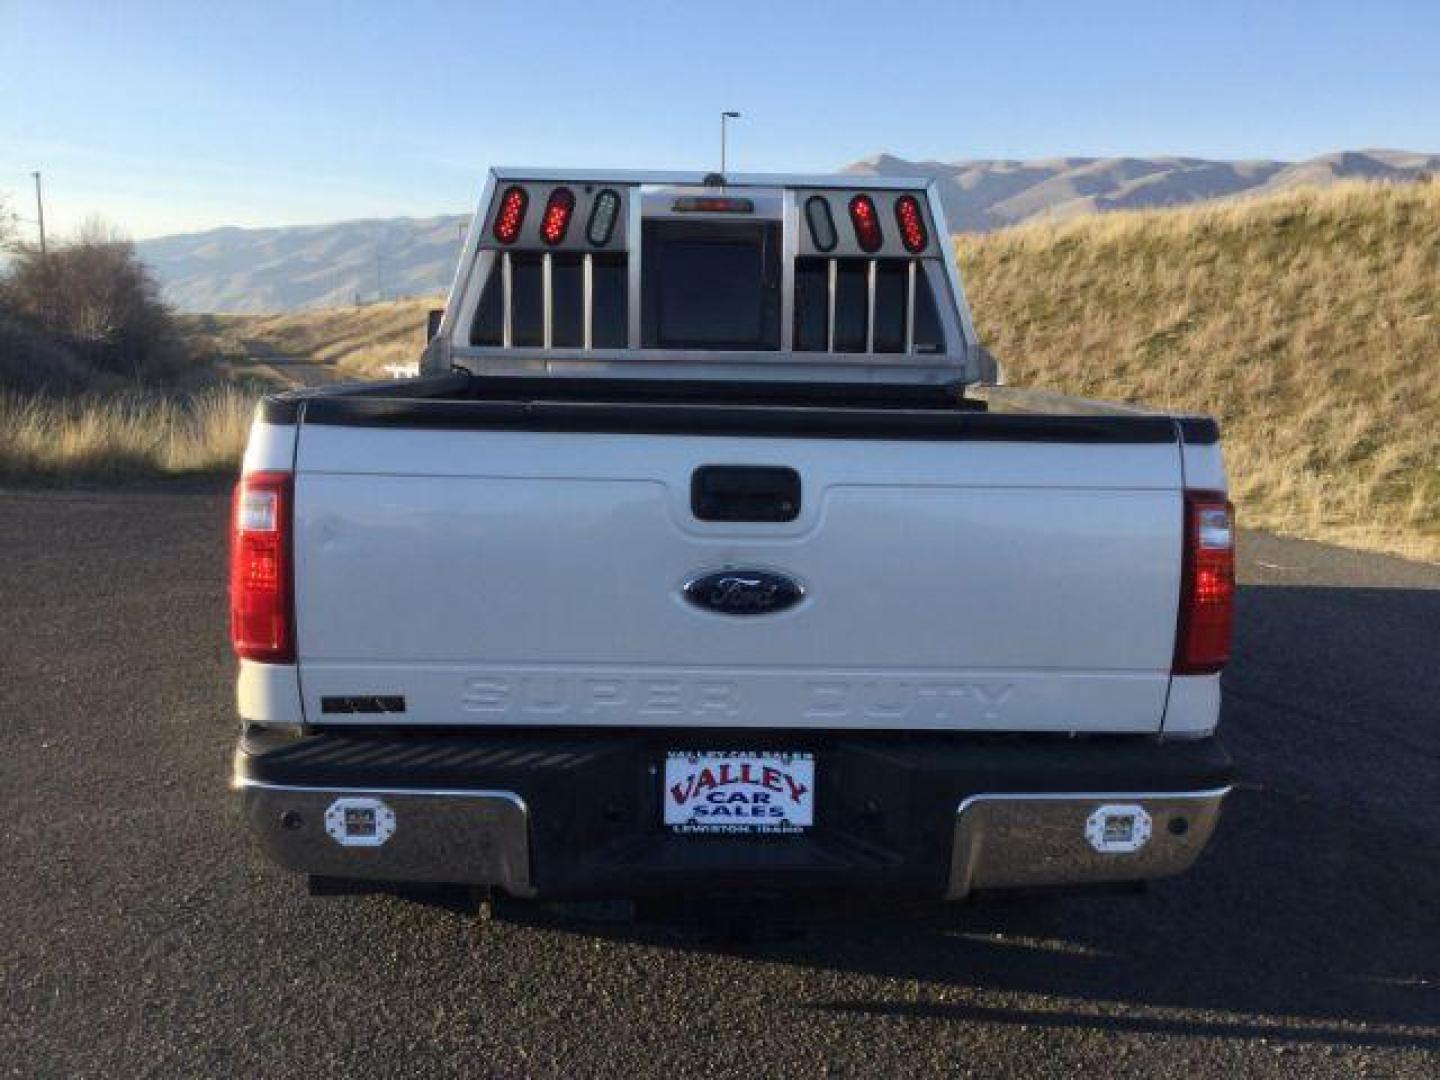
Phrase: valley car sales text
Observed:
(742, 794)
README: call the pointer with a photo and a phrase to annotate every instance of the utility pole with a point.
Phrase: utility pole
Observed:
(723, 117)
(40, 210)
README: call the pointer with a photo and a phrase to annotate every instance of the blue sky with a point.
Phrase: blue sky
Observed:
(167, 117)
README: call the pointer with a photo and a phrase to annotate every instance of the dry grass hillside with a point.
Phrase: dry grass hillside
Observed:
(359, 341)
(1309, 323)
(125, 436)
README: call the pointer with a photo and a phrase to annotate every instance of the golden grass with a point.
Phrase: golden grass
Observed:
(359, 341)
(124, 436)
(1308, 323)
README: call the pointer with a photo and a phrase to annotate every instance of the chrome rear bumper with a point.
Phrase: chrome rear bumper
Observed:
(1048, 839)
(380, 834)
(563, 815)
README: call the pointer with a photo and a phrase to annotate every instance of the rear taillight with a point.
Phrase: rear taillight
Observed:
(912, 224)
(555, 222)
(262, 623)
(1207, 585)
(511, 214)
(866, 222)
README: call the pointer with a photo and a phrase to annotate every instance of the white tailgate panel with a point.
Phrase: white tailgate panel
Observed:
(519, 578)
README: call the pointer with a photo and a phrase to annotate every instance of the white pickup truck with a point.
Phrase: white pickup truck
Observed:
(706, 556)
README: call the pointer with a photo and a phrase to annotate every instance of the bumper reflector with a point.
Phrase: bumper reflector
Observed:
(1118, 829)
(359, 821)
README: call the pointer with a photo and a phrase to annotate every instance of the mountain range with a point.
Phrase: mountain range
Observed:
(347, 262)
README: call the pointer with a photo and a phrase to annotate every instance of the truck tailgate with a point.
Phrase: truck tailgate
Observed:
(462, 575)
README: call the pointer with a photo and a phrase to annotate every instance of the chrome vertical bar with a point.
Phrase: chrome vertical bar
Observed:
(910, 306)
(633, 246)
(789, 227)
(588, 299)
(507, 294)
(832, 275)
(870, 307)
(549, 304)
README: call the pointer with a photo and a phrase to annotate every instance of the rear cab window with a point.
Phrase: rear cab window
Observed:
(710, 285)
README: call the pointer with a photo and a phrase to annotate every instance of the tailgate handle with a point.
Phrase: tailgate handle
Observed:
(745, 493)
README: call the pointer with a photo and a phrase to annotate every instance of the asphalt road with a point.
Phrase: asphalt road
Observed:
(140, 934)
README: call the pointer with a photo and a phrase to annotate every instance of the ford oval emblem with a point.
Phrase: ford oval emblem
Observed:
(743, 592)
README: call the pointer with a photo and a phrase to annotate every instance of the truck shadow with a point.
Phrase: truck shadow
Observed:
(1316, 907)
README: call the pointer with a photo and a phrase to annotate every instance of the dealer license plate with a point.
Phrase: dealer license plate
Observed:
(739, 792)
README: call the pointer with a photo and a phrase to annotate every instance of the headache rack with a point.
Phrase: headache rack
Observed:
(584, 272)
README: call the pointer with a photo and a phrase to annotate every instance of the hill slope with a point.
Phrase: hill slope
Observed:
(982, 195)
(358, 341)
(1309, 323)
(328, 265)
(305, 267)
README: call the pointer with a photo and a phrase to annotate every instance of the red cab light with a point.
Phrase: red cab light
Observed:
(1207, 585)
(712, 204)
(556, 221)
(262, 611)
(866, 222)
(911, 220)
(511, 214)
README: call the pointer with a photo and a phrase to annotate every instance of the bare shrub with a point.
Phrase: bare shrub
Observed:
(32, 363)
(92, 300)
(7, 224)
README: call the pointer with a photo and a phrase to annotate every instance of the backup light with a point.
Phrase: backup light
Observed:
(512, 214)
(822, 223)
(867, 223)
(556, 221)
(911, 220)
(603, 215)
